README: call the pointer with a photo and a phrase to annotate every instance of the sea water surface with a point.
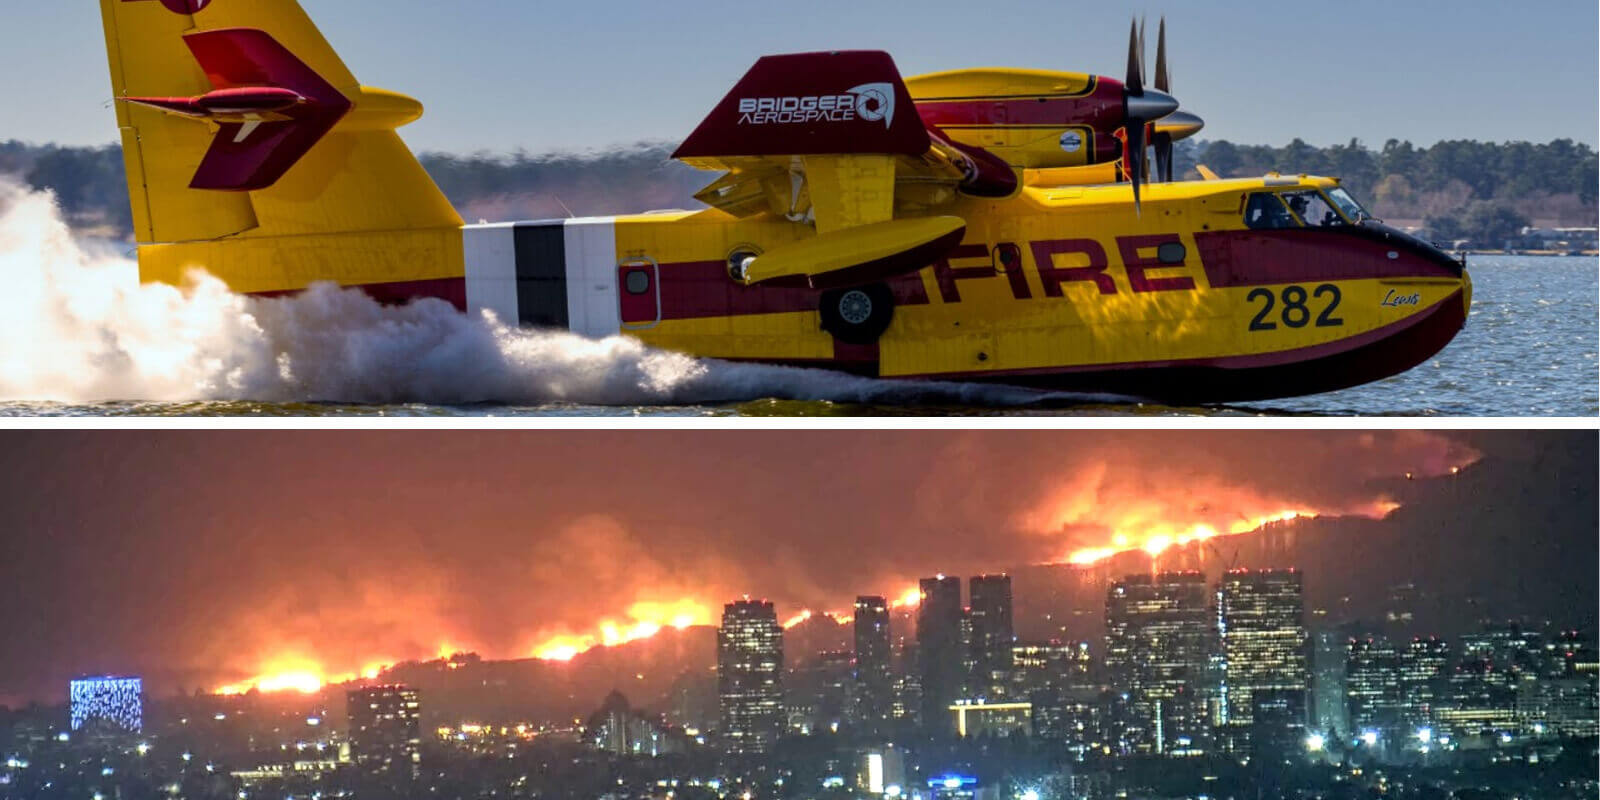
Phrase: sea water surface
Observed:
(80, 336)
(1529, 349)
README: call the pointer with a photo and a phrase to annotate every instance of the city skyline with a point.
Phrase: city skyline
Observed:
(1442, 450)
(1164, 682)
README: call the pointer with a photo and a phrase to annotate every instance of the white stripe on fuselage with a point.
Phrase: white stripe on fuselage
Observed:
(491, 259)
(592, 305)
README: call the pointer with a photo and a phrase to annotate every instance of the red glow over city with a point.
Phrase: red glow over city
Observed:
(1101, 508)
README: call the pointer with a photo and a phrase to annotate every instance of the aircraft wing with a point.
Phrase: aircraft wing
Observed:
(833, 140)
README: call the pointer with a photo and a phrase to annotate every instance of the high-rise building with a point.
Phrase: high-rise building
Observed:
(1160, 641)
(874, 683)
(940, 656)
(620, 729)
(817, 693)
(1424, 671)
(1372, 687)
(107, 704)
(750, 676)
(1260, 617)
(1051, 665)
(1330, 714)
(385, 730)
(993, 635)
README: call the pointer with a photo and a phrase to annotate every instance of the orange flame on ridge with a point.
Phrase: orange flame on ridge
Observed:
(648, 619)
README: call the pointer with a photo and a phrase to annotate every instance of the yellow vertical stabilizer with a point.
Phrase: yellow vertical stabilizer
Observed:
(355, 208)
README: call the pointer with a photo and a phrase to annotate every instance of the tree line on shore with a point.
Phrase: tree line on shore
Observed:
(1482, 191)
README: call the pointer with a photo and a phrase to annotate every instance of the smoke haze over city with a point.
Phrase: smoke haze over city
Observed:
(206, 559)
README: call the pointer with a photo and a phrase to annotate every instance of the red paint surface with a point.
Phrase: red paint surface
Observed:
(249, 59)
(1052, 276)
(701, 289)
(1100, 109)
(1255, 258)
(1139, 265)
(807, 75)
(180, 6)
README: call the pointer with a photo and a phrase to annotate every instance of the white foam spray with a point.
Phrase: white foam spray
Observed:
(76, 326)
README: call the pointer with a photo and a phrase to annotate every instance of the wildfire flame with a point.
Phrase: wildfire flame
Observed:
(1157, 539)
(646, 620)
(1151, 533)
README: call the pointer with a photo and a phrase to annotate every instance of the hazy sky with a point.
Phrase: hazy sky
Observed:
(507, 74)
(212, 554)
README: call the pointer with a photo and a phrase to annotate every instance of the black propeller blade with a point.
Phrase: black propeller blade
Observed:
(1141, 107)
(1161, 140)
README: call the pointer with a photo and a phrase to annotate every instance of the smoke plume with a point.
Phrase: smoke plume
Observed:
(79, 327)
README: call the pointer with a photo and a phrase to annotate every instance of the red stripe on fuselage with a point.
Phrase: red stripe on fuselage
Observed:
(701, 289)
(1299, 255)
(1100, 109)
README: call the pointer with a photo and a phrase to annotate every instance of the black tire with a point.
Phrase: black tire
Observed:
(857, 314)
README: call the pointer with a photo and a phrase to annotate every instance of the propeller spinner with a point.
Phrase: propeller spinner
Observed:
(1153, 112)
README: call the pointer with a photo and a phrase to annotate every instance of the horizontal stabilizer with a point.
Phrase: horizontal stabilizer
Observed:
(271, 108)
(860, 255)
(835, 103)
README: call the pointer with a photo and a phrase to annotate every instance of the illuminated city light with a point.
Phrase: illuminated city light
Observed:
(1369, 738)
(1315, 742)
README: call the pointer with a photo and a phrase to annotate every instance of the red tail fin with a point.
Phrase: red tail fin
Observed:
(262, 137)
(813, 104)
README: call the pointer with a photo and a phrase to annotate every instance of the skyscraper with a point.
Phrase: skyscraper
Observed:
(107, 704)
(992, 635)
(1330, 714)
(750, 676)
(1424, 672)
(1160, 639)
(940, 658)
(1372, 687)
(1260, 616)
(874, 684)
(385, 730)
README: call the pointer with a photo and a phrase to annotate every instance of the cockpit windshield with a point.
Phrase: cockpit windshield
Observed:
(1348, 204)
(1312, 208)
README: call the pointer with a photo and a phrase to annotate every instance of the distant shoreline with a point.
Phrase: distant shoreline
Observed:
(1548, 253)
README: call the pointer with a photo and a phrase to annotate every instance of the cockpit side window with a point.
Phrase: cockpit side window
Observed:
(1313, 209)
(1265, 212)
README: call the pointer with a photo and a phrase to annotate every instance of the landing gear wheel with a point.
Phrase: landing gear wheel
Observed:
(858, 314)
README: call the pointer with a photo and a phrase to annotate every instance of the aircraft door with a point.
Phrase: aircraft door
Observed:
(639, 292)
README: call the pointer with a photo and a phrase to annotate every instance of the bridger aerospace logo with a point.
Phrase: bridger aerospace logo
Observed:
(869, 102)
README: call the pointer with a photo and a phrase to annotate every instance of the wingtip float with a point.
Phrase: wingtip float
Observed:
(1001, 225)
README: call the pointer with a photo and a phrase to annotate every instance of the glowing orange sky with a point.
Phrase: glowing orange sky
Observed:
(314, 557)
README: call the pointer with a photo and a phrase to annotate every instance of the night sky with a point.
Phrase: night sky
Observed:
(198, 558)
